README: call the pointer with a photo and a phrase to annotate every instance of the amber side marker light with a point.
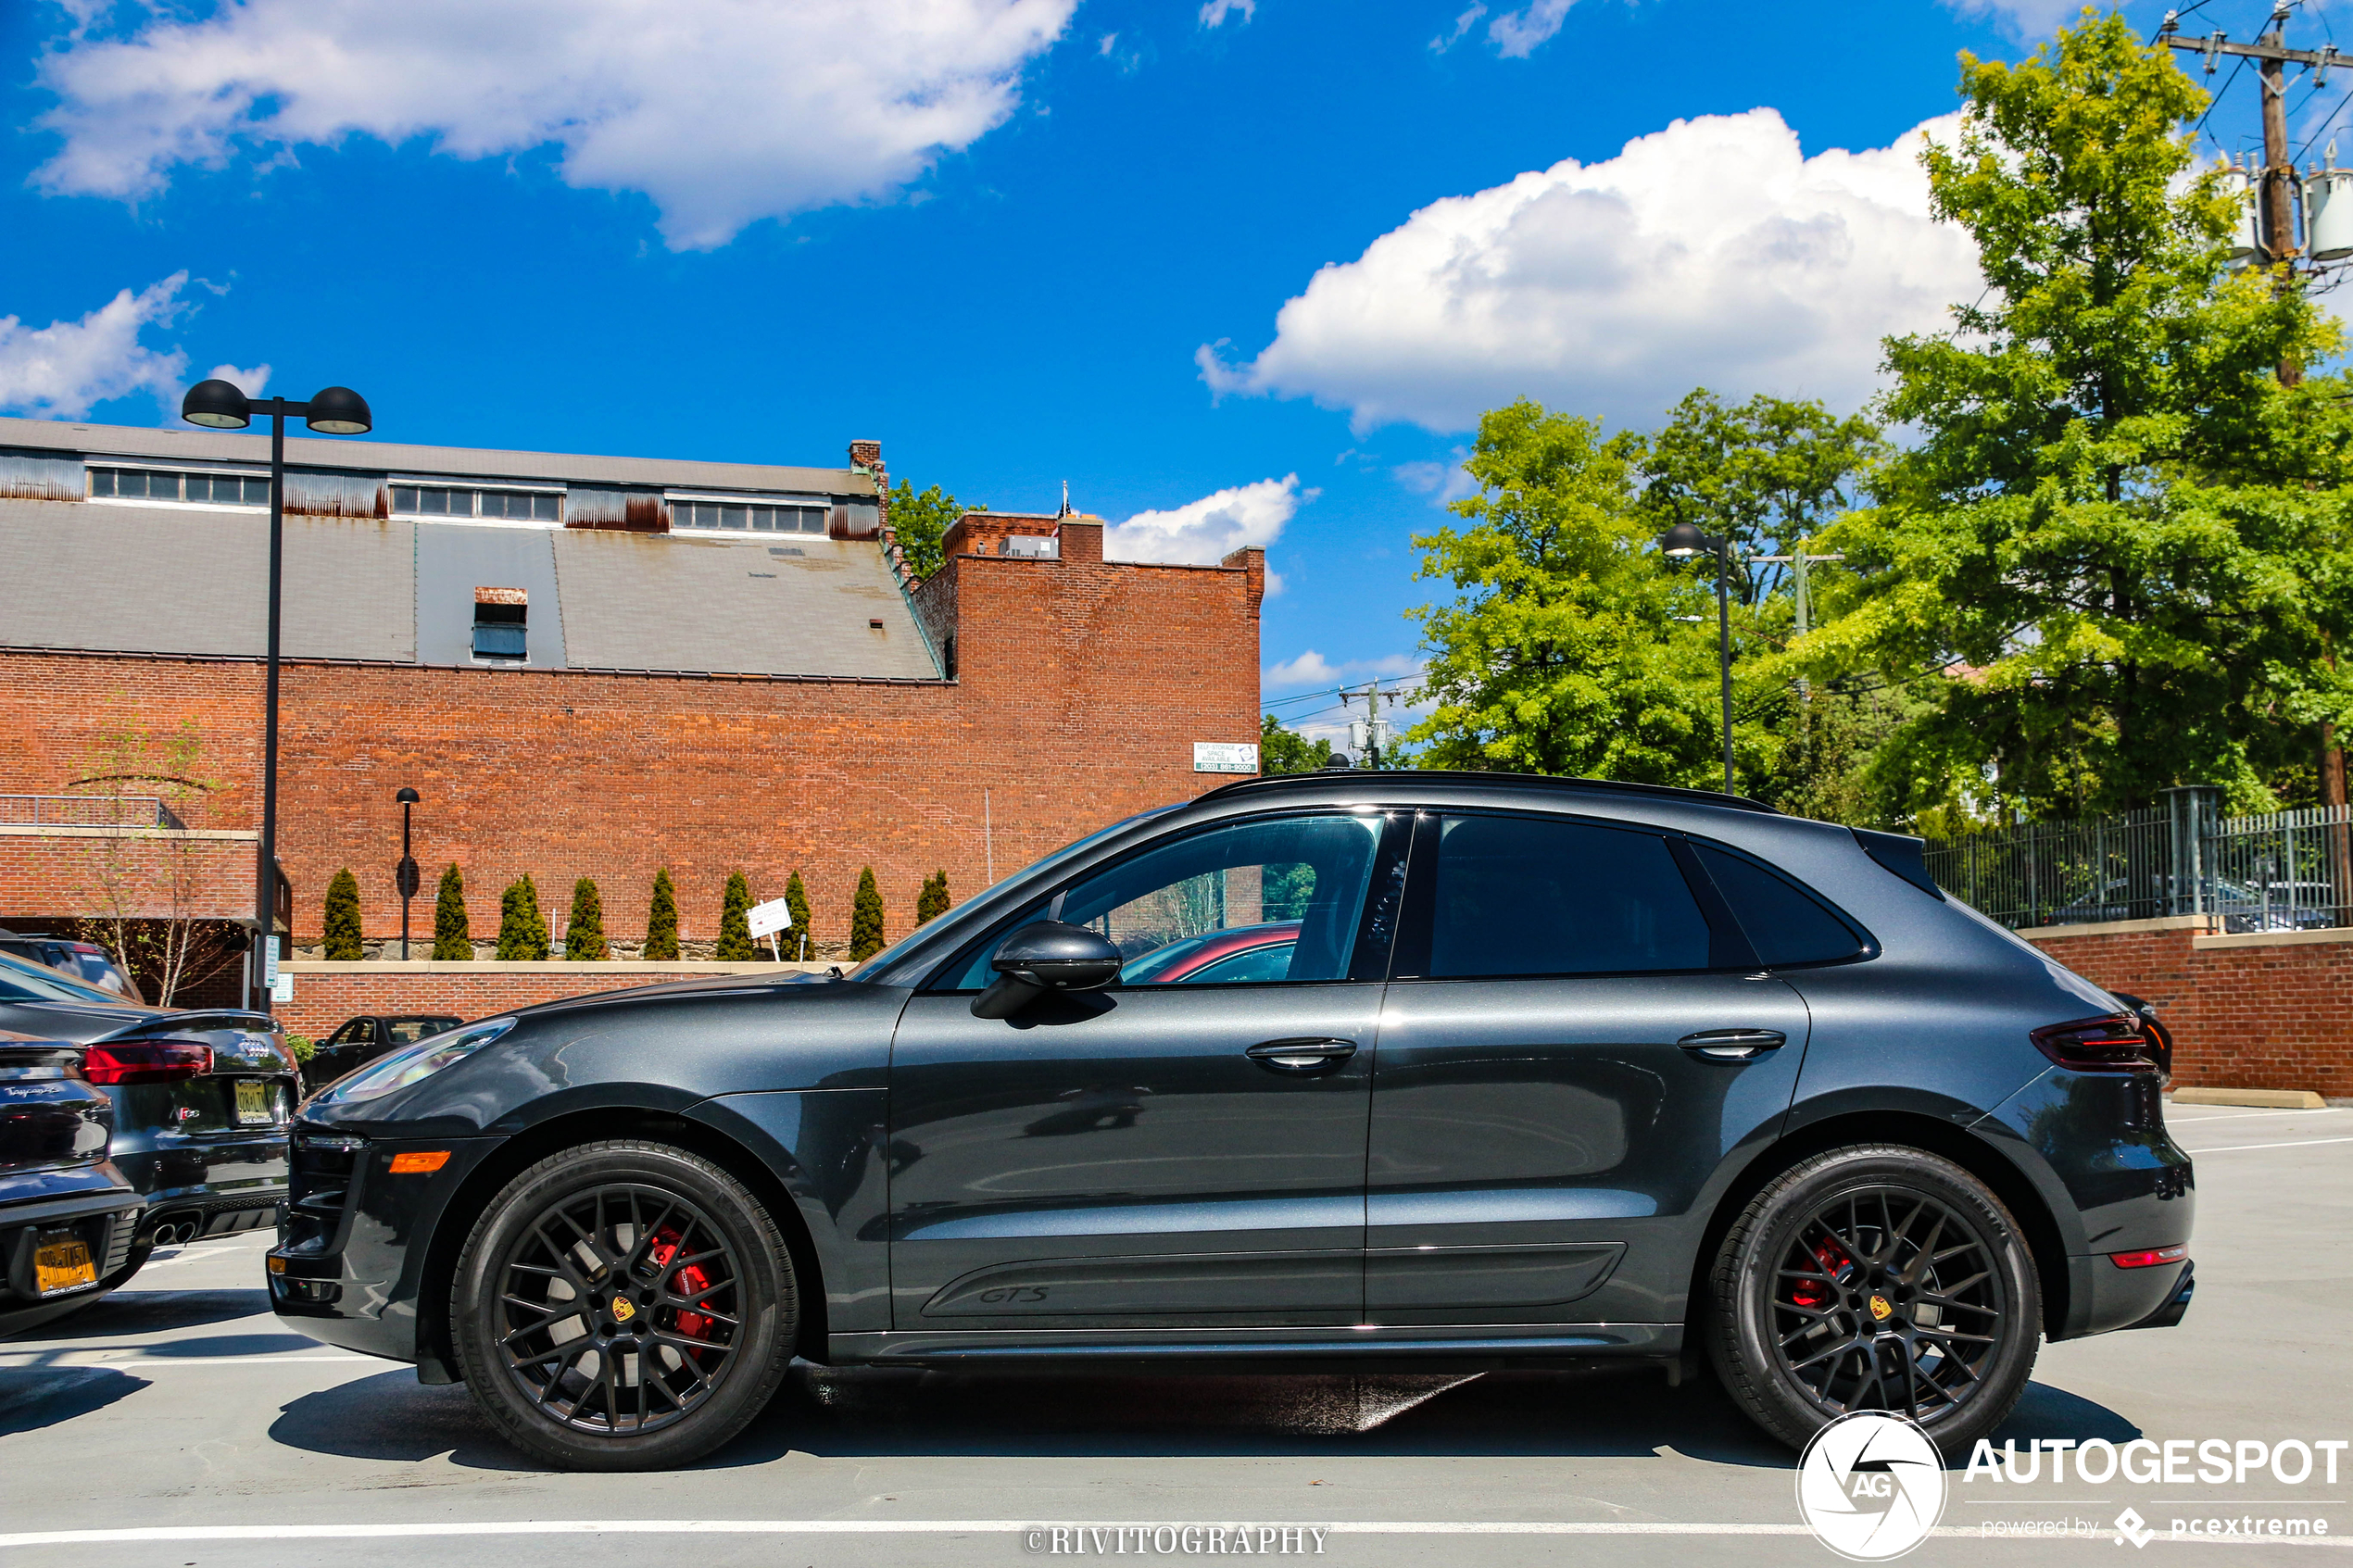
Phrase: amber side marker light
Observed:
(2150, 1258)
(419, 1164)
(277, 1265)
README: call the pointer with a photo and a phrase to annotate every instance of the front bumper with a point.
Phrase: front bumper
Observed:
(353, 1247)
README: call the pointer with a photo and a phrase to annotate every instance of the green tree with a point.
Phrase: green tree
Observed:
(522, 930)
(2099, 531)
(797, 905)
(932, 902)
(735, 923)
(866, 919)
(339, 925)
(1561, 653)
(661, 920)
(1288, 751)
(585, 932)
(450, 936)
(921, 523)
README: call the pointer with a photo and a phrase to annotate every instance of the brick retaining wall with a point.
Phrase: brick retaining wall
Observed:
(326, 994)
(2262, 1012)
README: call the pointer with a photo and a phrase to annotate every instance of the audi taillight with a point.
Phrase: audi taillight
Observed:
(146, 1061)
(2149, 1256)
(2110, 1043)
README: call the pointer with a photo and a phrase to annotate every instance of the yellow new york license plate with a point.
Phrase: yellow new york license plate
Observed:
(253, 1103)
(61, 1263)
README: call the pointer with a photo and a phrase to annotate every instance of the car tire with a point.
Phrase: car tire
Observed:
(1874, 1277)
(588, 1352)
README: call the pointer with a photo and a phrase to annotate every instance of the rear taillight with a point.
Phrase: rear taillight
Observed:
(2112, 1044)
(146, 1061)
(2149, 1258)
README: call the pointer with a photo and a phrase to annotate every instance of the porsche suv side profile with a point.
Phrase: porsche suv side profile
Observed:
(1519, 1071)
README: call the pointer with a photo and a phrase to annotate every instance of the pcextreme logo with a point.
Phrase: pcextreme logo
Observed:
(1870, 1486)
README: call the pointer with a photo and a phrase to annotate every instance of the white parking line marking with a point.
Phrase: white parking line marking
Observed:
(934, 1526)
(2233, 1148)
(24, 1359)
(2171, 1112)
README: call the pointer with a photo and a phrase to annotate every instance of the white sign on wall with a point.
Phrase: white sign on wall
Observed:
(774, 915)
(1225, 757)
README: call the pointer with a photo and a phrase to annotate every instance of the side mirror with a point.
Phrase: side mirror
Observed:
(1048, 955)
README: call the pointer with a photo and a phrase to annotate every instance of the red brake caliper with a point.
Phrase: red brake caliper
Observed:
(1813, 1293)
(691, 1281)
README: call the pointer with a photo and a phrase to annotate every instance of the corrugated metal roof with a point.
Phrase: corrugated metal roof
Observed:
(647, 602)
(390, 457)
(117, 578)
(124, 579)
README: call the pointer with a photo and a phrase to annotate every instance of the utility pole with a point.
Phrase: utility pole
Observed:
(2277, 195)
(1368, 735)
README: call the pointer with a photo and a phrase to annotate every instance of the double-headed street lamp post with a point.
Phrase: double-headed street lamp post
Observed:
(1682, 542)
(336, 411)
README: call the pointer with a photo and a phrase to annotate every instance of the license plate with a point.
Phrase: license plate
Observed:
(253, 1104)
(61, 1263)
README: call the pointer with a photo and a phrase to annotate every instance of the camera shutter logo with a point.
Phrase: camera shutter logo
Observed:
(1870, 1486)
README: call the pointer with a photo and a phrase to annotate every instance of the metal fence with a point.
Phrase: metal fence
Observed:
(87, 811)
(2287, 870)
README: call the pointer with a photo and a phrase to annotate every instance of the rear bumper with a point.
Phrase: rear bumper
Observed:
(2104, 1297)
(104, 1214)
(221, 1184)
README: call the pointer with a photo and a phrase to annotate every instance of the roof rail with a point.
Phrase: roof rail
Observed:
(1442, 775)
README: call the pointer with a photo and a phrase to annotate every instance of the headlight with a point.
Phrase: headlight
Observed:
(412, 1064)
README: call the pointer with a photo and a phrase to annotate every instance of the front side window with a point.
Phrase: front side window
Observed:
(1283, 894)
(1522, 896)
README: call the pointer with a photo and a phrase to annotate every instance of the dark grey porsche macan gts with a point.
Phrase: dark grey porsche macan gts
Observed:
(1556, 1070)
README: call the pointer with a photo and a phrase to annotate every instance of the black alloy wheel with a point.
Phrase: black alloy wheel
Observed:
(623, 1306)
(1876, 1278)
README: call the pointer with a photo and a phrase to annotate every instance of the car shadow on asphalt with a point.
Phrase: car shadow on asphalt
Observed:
(33, 1398)
(149, 1312)
(876, 1413)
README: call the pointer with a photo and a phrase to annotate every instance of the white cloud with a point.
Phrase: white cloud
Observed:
(1215, 12)
(1711, 253)
(2021, 19)
(1312, 669)
(1204, 531)
(61, 370)
(1443, 482)
(722, 111)
(250, 383)
(1461, 25)
(1515, 34)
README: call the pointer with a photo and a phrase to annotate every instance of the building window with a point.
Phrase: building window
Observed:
(499, 623)
(758, 519)
(197, 489)
(523, 505)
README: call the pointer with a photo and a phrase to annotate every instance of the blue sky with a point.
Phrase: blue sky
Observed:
(1017, 240)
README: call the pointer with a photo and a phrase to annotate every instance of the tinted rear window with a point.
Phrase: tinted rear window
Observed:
(1522, 896)
(1785, 923)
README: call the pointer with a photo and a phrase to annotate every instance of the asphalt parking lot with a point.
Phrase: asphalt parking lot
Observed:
(177, 1423)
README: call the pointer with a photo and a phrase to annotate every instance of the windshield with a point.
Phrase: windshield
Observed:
(23, 980)
(883, 959)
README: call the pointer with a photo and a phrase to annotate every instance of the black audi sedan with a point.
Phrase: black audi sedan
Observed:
(1557, 1070)
(202, 1098)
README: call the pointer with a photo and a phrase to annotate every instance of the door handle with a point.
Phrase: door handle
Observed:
(1301, 1056)
(1733, 1044)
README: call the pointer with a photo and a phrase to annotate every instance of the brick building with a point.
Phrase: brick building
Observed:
(587, 667)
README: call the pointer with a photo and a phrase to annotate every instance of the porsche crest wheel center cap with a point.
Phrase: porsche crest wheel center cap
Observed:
(623, 1310)
(1881, 1309)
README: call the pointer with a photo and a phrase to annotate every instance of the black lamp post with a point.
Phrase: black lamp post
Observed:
(336, 411)
(1682, 542)
(404, 875)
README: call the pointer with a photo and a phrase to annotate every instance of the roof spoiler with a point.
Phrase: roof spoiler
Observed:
(1903, 854)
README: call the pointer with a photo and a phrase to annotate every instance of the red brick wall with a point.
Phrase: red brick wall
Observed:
(152, 876)
(2246, 1012)
(325, 995)
(1082, 686)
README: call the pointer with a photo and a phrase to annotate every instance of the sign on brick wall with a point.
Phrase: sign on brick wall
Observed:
(1223, 757)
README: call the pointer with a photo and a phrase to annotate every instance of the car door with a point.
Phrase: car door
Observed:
(339, 1053)
(1155, 1154)
(1575, 1035)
